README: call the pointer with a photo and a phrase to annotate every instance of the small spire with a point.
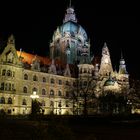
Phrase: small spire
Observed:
(70, 3)
(121, 54)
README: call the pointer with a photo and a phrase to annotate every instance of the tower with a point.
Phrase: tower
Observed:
(70, 40)
(106, 65)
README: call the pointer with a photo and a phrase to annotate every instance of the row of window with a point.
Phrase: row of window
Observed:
(24, 102)
(7, 86)
(52, 103)
(8, 73)
(52, 93)
(2, 100)
(52, 81)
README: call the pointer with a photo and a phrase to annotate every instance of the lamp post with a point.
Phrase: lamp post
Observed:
(56, 107)
(35, 105)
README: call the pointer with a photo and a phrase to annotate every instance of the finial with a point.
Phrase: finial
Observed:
(70, 3)
(121, 54)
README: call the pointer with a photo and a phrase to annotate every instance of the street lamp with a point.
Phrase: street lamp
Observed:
(56, 107)
(35, 108)
(34, 95)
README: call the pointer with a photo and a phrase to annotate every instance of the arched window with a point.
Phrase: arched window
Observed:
(43, 92)
(2, 86)
(9, 100)
(24, 102)
(2, 100)
(52, 81)
(35, 78)
(43, 103)
(44, 79)
(3, 72)
(24, 89)
(59, 93)
(67, 83)
(52, 92)
(25, 77)
(60, 82)
(9, 73)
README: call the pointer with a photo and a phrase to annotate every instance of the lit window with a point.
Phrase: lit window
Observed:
(51, 92)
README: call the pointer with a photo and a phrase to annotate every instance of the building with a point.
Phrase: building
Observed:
(61, 79)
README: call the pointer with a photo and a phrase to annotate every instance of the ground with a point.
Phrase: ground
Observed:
(73, 128)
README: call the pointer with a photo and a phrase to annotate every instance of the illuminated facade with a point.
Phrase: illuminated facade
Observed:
(55, 78)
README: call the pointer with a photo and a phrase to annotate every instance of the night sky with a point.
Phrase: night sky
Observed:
(115, 23)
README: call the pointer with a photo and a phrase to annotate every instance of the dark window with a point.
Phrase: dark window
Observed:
(9, 73)
(3, 72)
(67, 83)
(44, 79)
(60, 82)
(2, 100)
(25, 77)
(25, 89)
(52, 81)
(35, 78)
(43, 92)
(9, 111)
(67, 94)
(24, 102)
(2, 86)
(9, 100)
(59, 93)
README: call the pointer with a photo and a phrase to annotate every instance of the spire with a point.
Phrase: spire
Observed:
(70, 14)
(67, 71)
(106, 65)
(122, 67)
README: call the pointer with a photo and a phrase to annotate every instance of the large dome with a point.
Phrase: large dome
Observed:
(73, 28)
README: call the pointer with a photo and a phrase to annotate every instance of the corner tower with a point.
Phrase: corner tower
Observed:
(70, 40)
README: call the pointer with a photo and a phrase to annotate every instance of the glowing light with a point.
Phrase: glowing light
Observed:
(34, 95)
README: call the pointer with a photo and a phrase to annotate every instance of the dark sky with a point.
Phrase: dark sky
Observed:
(33, 24)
